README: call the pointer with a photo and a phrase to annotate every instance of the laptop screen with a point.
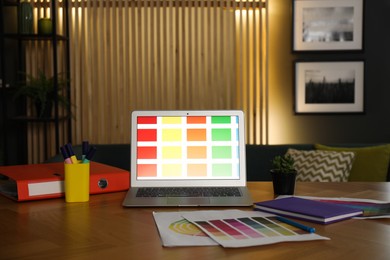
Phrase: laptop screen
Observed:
(183, 146)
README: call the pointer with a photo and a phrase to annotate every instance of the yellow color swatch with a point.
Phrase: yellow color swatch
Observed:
(171, 152)
(171, 120)
(171, 135)
(171, 170)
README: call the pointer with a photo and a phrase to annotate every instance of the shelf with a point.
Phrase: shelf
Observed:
(10, 3)
(38, 119)
(29, 53)
(34, 37)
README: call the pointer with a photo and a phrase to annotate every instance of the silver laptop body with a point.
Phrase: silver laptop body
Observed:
(181, 150)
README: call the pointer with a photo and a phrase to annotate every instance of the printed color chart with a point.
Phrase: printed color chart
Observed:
(188, 147)
(247, 228)
(235, 228)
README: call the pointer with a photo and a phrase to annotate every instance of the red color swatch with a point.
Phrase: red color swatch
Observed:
(147, 135)
(147, 152)
(147, 170)
(147, 120)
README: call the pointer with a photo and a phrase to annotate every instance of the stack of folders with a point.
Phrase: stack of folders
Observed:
(44, 181)
(306, 209)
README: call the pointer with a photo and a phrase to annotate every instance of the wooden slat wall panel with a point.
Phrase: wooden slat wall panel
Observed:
(130, 55)
(163, 54)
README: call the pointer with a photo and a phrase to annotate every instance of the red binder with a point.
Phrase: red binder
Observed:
(45, 181)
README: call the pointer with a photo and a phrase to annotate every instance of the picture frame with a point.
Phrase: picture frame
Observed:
(327, 25)
(329, 87)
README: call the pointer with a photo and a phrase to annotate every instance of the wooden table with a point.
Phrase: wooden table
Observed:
(103, 229)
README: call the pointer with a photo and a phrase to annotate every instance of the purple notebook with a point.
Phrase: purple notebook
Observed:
(310, 210)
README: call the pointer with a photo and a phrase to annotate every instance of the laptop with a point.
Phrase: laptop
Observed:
(187, 158)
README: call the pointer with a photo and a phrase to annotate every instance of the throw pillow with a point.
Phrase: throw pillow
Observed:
(371, 163)
(322, 166)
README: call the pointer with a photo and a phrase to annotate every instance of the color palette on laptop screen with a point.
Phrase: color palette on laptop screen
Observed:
(188, 147)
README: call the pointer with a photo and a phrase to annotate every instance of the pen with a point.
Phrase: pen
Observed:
(85, 149)
(296, 224)
(65, 155)
(90, 154)
(72, 156)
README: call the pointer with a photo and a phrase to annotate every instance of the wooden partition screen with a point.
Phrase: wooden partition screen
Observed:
(162, 54)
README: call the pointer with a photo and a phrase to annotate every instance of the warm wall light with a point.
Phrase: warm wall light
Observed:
(247, 4)
(253, 3)
(252, 36)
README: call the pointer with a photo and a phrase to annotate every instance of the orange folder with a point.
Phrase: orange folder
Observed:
(45, 181)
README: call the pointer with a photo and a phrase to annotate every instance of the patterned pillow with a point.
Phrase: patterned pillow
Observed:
(371, 162)
(322, 166)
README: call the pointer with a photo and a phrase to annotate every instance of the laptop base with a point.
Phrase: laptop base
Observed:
(131, 200)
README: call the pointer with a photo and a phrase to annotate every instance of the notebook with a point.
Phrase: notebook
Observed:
(188, 155)
(310, 210)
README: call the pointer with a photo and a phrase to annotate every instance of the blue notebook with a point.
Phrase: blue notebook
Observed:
(310, 210)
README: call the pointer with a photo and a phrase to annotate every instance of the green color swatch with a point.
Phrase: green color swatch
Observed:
(222, 170)
(220, 119)
(222, 152)
(223, 134)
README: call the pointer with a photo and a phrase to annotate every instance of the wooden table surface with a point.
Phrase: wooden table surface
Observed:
(103, 229)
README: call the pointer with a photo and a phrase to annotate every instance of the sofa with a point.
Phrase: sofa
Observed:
(374, 157)
(371, 161)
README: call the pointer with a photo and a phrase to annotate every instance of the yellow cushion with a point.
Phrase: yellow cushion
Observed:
(371, 163)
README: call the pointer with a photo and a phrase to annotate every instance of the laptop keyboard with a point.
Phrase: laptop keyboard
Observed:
(189, 192)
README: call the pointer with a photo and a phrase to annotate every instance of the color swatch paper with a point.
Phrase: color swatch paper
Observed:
(236, 228)
(229, 228)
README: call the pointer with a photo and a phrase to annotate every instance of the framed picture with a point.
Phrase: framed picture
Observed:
(329, 87)
(327, 25)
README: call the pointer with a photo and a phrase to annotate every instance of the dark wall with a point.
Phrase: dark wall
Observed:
(371, 127)
(13, 133)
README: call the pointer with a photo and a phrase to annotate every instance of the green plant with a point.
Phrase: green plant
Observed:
(42, 92)
(283, 164)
